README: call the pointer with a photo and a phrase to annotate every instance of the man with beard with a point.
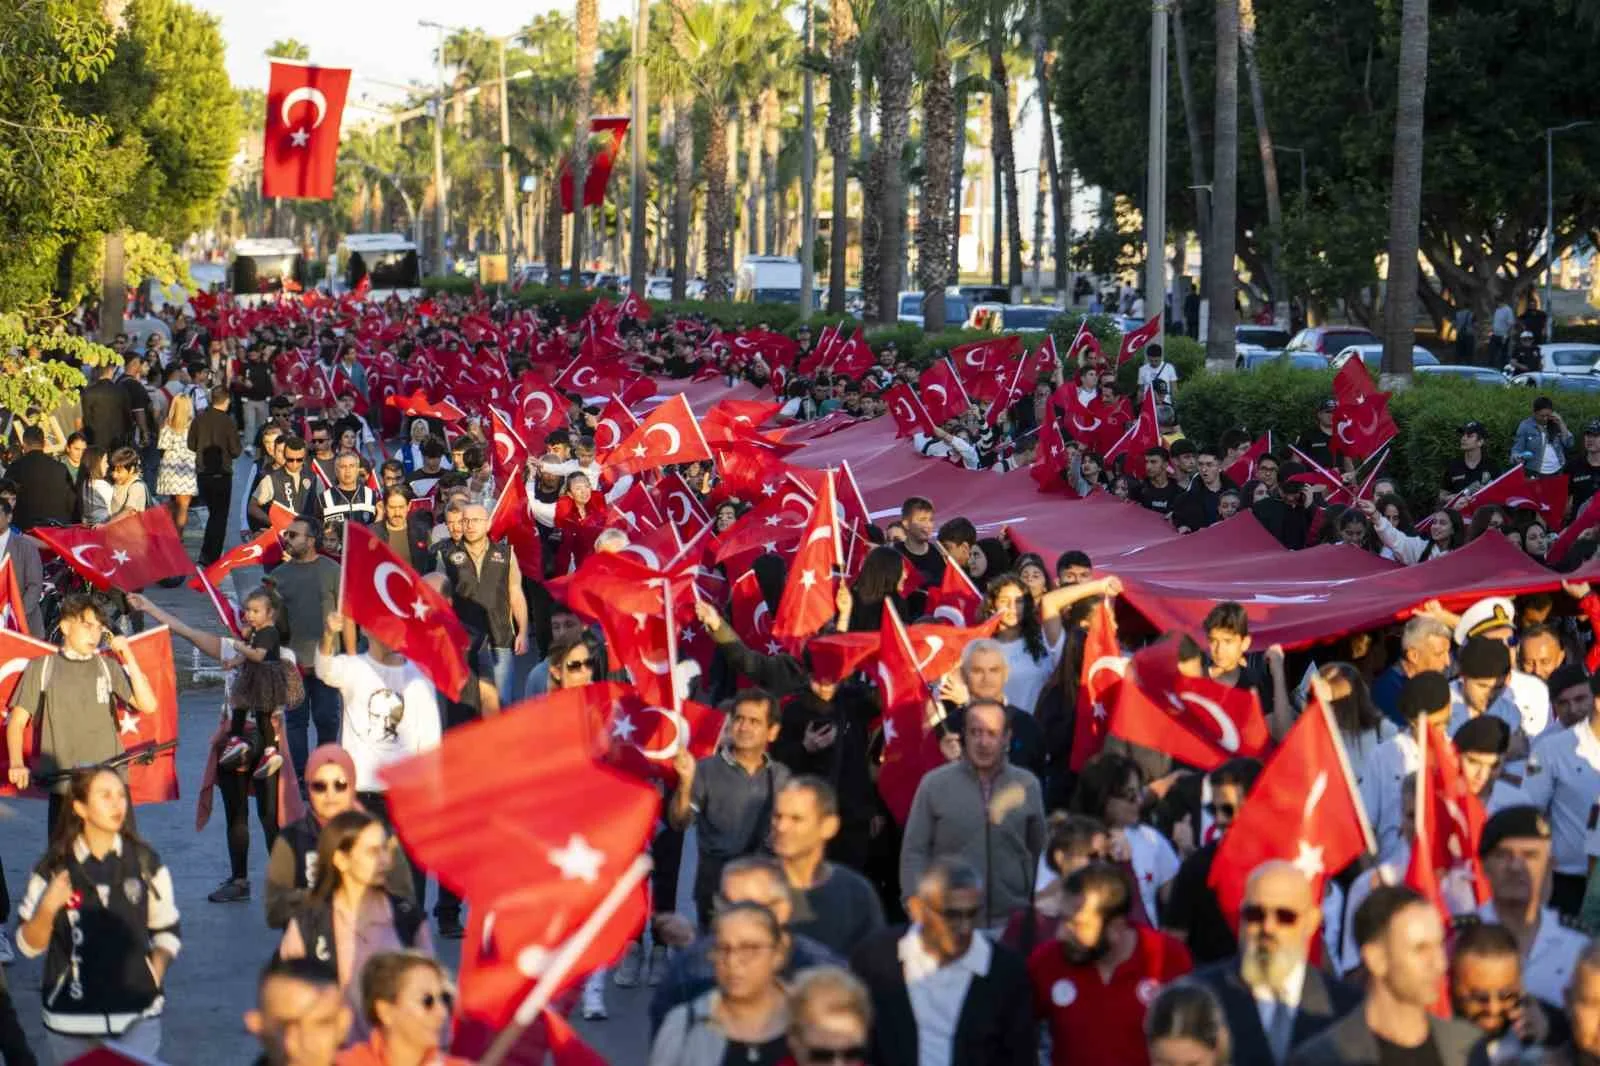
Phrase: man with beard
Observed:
(1486, 990)
(1401, 938)
(944, 995)
(1095, 983)
(1273, 1000)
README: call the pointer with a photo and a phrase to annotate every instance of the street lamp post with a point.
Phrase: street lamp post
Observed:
(508, 203)
(808, 178)
(1155, 206)
(441, 211)
(637, 259)
(1550, 217)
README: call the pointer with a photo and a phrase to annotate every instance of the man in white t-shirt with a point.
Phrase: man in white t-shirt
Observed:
(1157, 369)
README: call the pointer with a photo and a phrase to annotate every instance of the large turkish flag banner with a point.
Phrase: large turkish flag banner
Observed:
(301, 142)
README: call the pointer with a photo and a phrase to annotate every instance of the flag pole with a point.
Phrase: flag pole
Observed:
(672, 659)
(565, 958)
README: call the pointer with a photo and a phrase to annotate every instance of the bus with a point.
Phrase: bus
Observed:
(259, 266)
(389, 260)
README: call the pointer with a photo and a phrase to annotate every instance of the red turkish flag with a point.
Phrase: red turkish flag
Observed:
(850, 359)
(301, 142)
(750, 616)
(1014, 389)
(592, 370)
(1103, 668)
(13, 613)
(979, 363)
(641, 643)
(510, 451)
(1134, 341)
(642, 736)
(157, 781)
(1515, 489)
(940, 389)
(605, 140)
(772, 525)
(634, 307)
(418, 404)
(126, 553)
(1304, 809)
(1361, 420)
(16, 651)
(227, 610)
(380, 592)
(512, 522)
(669, 435)
(637, 509)
(1244, 468)
(1084, 344)
(1144, 434)
(1451, 818)
(1050, 461)
(1194, 719)
(910, 746)
(739, 418)
(541, 408)
(808, 597)
(1587, 518)
(910, 416)
(265, 549)
(681, 506)
(1043, 364)
(956, 600)
(614, 423)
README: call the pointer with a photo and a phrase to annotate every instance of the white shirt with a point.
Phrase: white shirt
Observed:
(935, 448)
(1460, 897)
(1563, 780)
(1552, 957)
(1360, 747)
(1154, 863)
(937, 992)
(1163, 370)
(1271, 1000)
(1026, 676)
(1532, 698)
(370, 692)
(1381, 788)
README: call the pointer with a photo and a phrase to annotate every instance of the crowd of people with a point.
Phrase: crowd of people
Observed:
(1032, 904)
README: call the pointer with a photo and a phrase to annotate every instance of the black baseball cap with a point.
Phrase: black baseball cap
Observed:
(1473, 426)
(1592, 427)
(1330, 404)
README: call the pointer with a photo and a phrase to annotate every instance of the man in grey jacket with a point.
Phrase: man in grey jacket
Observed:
(982, 810)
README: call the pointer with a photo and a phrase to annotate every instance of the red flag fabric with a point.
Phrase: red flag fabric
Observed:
(634, 307)
(1194, 719)
(13, 613)
(749, 615)
(1043, 364)
(1587, 518)
(510, 451)
(419, 404)
(1085, 344)
(301, 141)
(1144, 434)
(981, 365)
(227, 610)
(1515, 489)
(380, 592)
(1243, 468)
(1103, 668)
(512, 522)
(16, 651)
(680, 506)
(1134, 341)
(1361, 420)
(1452, 819)
(614, 423)
(156, 781)
(910, 747)
(668, 436)
(956, 599)
(609, 131)
(808, 597)
(1012, 389)
(1050, 459)
(642, 736)
(541, 407)
(265, 549)
(910, 416)
(1303, 809)
(126, 553)
(941, 392)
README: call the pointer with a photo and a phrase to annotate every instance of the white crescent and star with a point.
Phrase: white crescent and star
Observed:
(1229, 739)
(680, 733)
(672, 435)
(81, 550)
(311, 96)
(380, 582)
(613, 440)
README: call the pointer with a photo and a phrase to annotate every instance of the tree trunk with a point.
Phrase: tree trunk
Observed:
(771, 116)
(958, 170)
(1060, 206)
(552, 228)
(1005, 156)
(719, 208)
(871, 209)
(113, 286)
(1269, 164)
(841, 97)
(1197, 148)
(933, 226)
(894, 107)
(682, 192)
(1405, 196)
(997, 205)
(1225, 199)
(752, 180)
(588, 34)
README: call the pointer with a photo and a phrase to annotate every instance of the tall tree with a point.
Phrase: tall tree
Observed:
(894, 110)
(842, 43)
(998, 16)
(1225, 193)
(289, 48)
(958, 167)
(1060, 191)
(934, 29)
(1405, 193)
(1192, 135)
(1269, 163)
(588, 27)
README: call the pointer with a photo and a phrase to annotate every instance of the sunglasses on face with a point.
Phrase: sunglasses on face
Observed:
(578, 664)
(1227, 810)
(428, 1001)
(319, 787)
(961, 915)
(821, 1056)
(1497, 997)
(1255, 914)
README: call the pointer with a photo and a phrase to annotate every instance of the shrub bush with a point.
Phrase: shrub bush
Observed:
(449, 285)
(1578, 332)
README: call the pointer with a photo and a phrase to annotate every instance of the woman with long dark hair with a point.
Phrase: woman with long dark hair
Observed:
(881, 578)
(1112, 789)
(1031, 632)
(100, 907)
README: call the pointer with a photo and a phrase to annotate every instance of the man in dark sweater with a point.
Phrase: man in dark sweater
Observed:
(107, 415)
(44, 489)
(834, 905)
(214, 439)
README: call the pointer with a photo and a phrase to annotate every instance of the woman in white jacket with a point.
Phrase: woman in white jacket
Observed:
(1445, 534)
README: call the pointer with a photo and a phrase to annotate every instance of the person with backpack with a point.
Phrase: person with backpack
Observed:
(349, 915)
(100, 908)
(74, 693)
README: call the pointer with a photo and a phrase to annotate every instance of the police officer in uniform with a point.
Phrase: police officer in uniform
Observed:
(288, 485)
(348, 499)
(488, 595)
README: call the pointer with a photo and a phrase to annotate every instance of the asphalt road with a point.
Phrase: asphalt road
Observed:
(225, 945)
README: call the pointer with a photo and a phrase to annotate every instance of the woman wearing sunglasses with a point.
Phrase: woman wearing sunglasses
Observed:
(406, 1000)
(292, 867)
(830, 1017)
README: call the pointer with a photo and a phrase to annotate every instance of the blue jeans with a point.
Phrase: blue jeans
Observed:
(322, 706)
(503, 664)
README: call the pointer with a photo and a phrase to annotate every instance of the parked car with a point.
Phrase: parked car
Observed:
(1012, 318)
(955, 309)
(1546, 382)
(1569, 358)
(532, 274)
(1372, 355)
(658, 288)
(1483, 375)
(984, 294)
(1258, 358)
(1329, 340)
(1251, 338)
(852, 298)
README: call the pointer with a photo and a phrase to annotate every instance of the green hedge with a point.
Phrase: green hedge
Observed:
(1578, 332)
(1429, 414)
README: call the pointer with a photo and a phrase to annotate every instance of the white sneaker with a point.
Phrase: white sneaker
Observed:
(630, 969)
(7, 954)
(594, 997)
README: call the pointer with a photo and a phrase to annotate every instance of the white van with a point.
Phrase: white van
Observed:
(258, 267)
(769, 279)
(388, 259)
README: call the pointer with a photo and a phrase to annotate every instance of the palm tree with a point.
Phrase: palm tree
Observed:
(894, 110)
(588, 24)
(1191, 126)
(997, 16)
(1405, 195)
(958, 167)
(1060, 190)
(1225, 193)
(842, 40)
(933, 28)
(1269, 162)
